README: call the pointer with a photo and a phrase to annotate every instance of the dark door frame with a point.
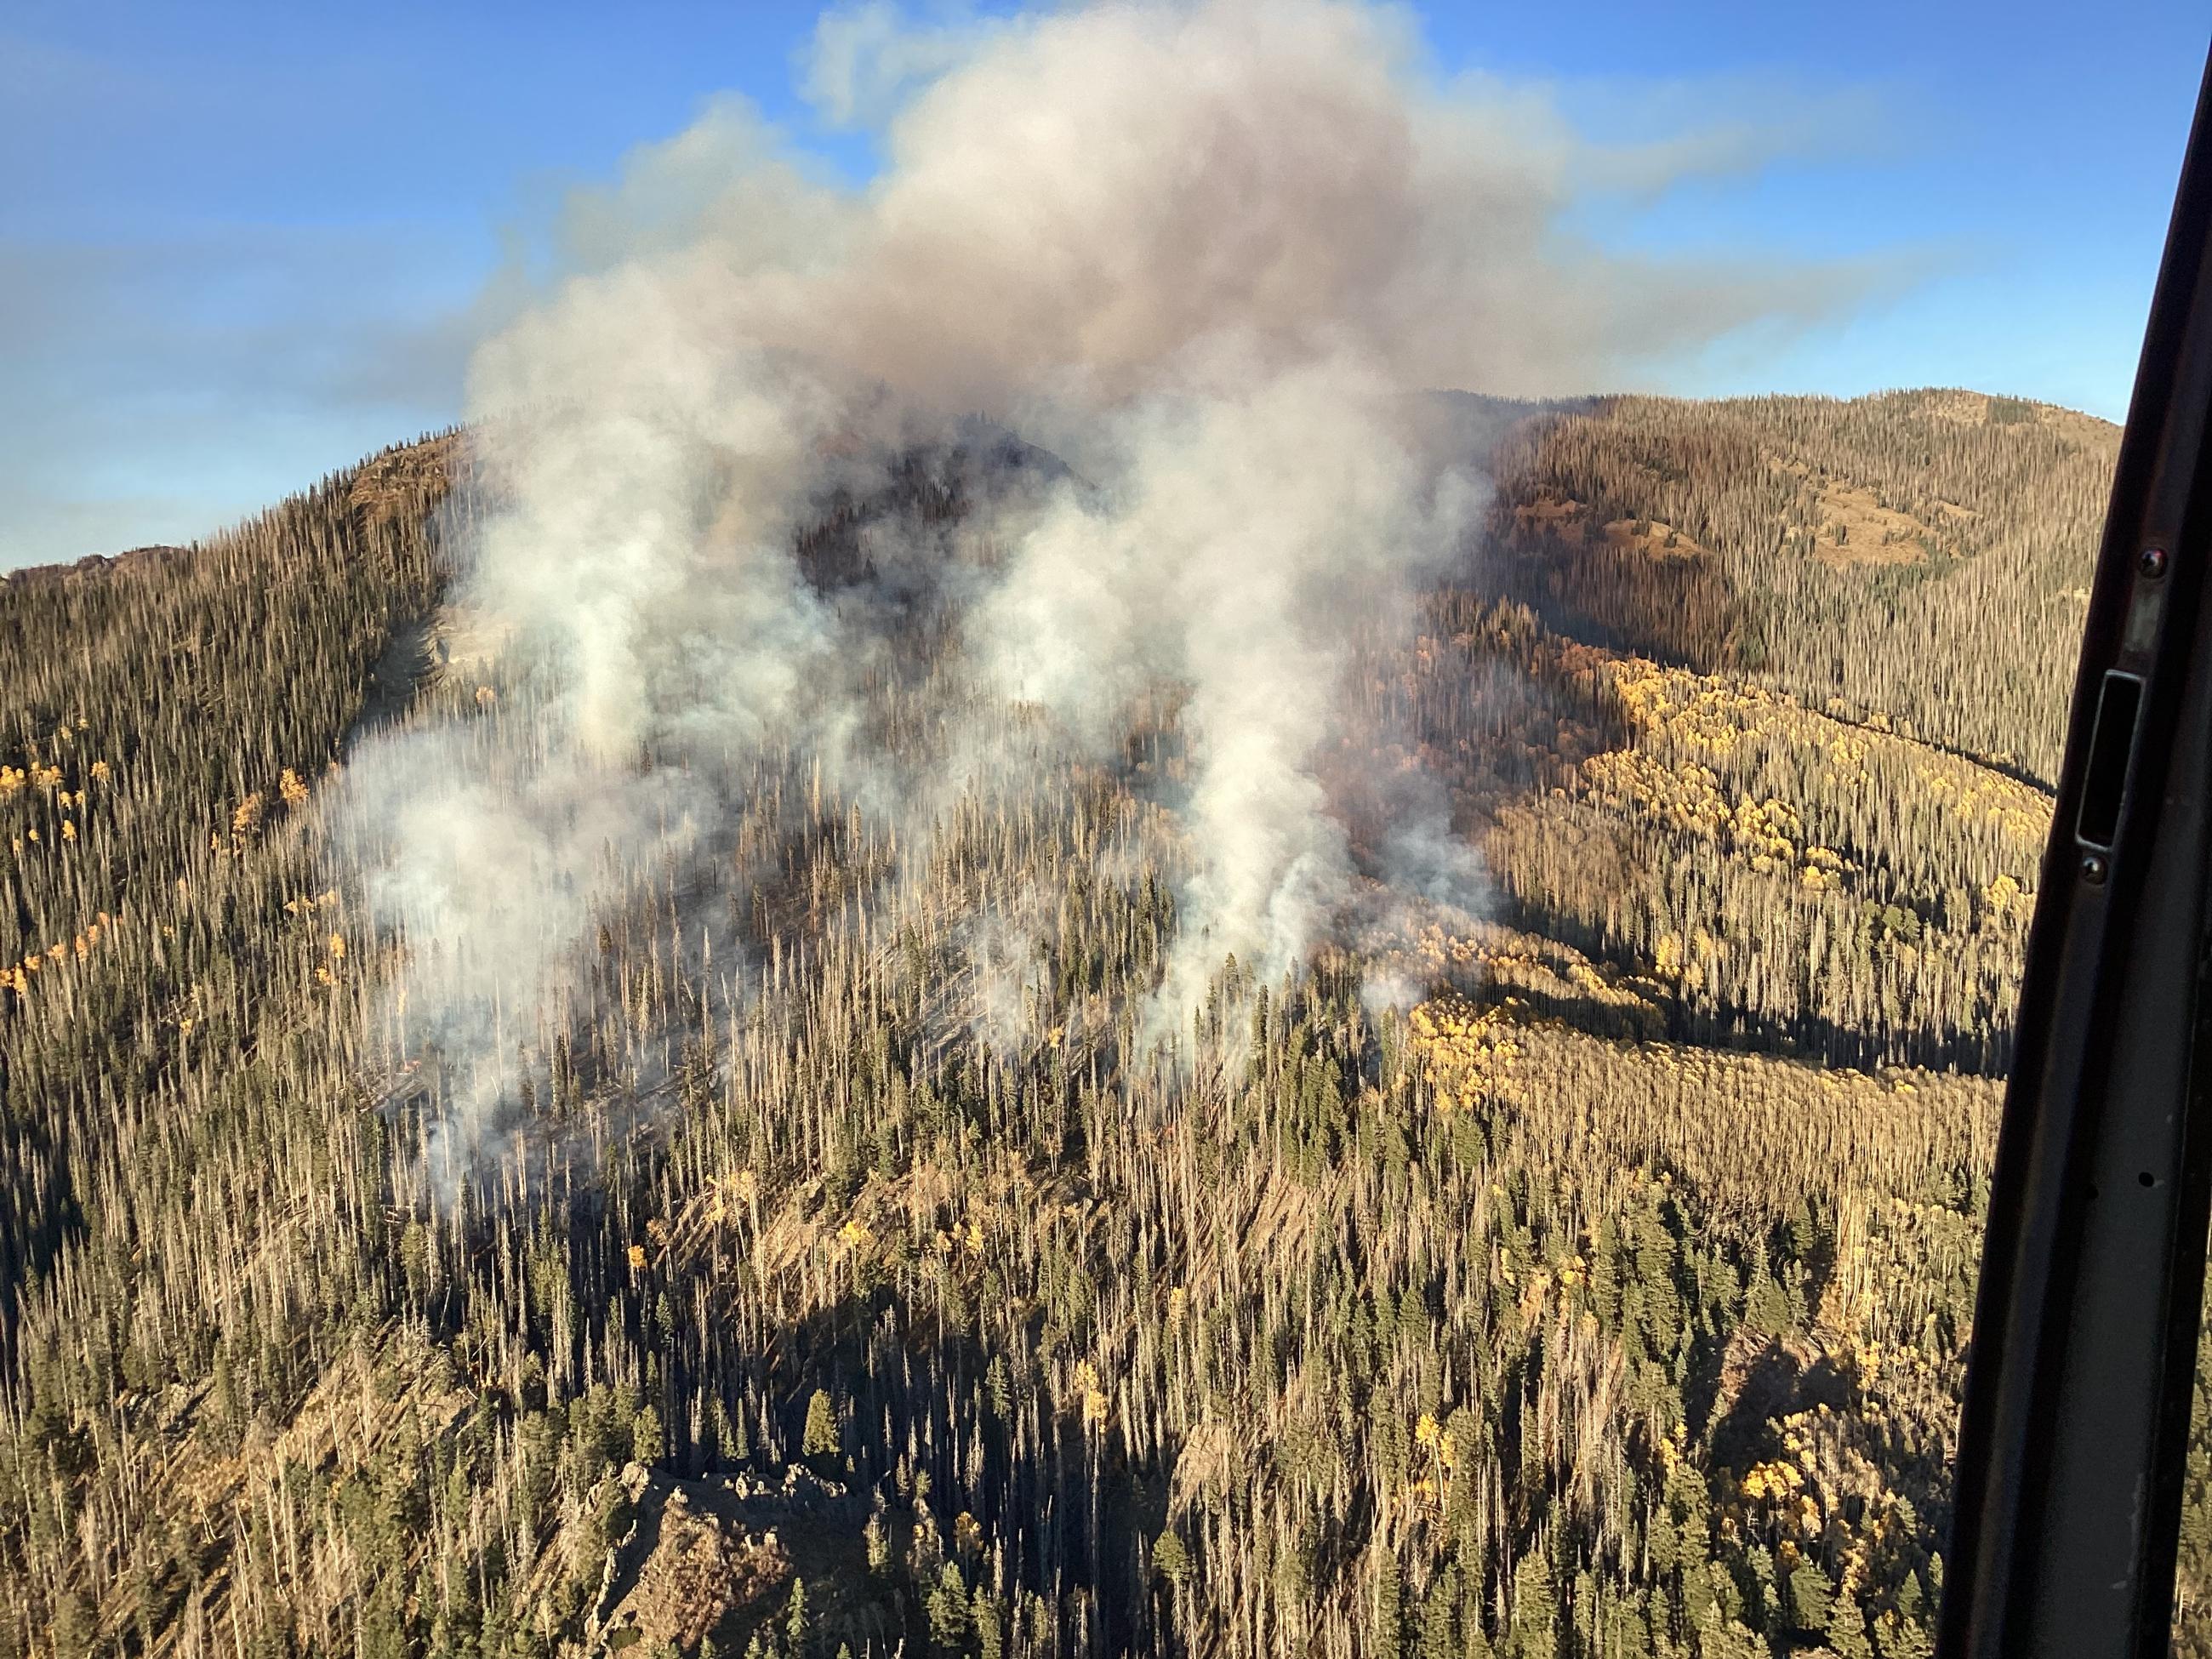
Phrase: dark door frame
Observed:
(2072, 1446)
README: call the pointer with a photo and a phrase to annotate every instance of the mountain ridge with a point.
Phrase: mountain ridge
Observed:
(1609, 1289)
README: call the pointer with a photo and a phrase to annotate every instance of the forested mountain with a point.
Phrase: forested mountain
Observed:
(1604, 1296)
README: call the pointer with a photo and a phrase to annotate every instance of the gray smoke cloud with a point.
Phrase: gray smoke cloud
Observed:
(1200, 250)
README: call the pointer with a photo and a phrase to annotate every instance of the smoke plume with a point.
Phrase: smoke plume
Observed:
(1204, 254)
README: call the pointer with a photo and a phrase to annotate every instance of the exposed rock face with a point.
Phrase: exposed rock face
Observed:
(716, 1557)
(700, 1570)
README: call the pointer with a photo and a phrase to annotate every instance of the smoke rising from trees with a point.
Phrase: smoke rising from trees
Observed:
(1205, 253)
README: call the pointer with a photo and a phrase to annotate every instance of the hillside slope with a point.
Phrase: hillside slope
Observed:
(1610, 1302)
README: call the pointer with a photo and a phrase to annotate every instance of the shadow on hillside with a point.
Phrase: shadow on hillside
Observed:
(1754, 1389)
(919, 1419)
(1807, 1038)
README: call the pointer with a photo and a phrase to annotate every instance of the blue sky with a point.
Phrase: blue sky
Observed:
(241, 243)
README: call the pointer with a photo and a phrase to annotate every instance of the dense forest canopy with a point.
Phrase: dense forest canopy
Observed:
(1583, 1272)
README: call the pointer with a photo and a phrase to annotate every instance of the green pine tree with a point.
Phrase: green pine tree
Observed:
(820, 1439)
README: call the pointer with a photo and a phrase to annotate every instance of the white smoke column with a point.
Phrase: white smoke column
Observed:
(634, 602)
(1194, 248)
(1244, 542)
(1202, 250)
